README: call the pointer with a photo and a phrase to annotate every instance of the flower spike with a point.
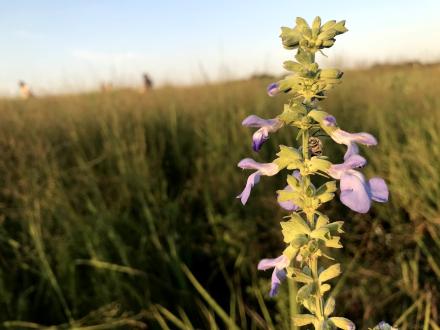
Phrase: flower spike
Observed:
(307, 232)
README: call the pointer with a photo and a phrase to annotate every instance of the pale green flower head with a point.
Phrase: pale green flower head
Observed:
(312, 38)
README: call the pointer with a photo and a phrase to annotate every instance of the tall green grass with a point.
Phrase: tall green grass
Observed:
(118, 210)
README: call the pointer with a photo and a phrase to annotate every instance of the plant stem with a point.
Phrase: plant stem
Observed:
(313, 261)
(306, 178)
(319, 303)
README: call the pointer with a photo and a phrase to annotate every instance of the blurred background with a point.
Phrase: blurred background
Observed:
(120, 131)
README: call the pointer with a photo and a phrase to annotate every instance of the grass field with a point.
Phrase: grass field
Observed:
(105, 197)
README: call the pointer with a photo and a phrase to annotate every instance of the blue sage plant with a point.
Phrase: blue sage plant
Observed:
(308, 233)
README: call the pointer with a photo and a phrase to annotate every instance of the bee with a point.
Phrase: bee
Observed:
(315, 146)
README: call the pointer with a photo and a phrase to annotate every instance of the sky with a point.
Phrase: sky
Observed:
(59, 46)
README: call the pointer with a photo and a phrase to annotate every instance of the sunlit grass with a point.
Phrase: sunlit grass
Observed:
(105, 196)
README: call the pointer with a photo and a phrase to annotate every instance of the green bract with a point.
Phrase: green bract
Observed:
(314, 38)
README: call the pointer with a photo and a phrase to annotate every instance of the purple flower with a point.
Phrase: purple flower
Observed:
(265, 126)
(349, 139)
(267, 169)
(273, 89)
(356, 192)
(279, 273)
(352, 162)
(329, 121)
(289, 205)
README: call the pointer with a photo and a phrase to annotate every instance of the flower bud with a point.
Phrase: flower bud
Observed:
(273, 89)
(328, 25)
(290, 37)
(328, 43)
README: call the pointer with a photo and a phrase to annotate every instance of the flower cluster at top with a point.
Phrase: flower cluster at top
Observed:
(309, 233)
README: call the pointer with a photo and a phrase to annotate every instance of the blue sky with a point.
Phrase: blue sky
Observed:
(74, 45)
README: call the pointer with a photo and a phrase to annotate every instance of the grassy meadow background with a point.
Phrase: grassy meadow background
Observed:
(105, 197)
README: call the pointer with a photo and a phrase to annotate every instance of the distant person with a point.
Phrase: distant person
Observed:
(25, 91)
(148, 83)
(106, 87)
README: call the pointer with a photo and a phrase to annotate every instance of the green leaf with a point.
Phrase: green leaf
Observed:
(303, 319)
(334, 242)
(316, 25)
(292, 66)
(321, 221)
(321, 233)
(304, 57)
(329, 306)
(329, 186)
(317, 163)
(328, 25)
(342, 323)
(299, 241)
(328, 43)
(324, 288)
(300, 276)
(290, 252)
(300, 223)
(319, 117)
(330, 73)
(288, 157)
(326, 197)
(290, 37)
(288, 116)
(294, 196)
(327, 35)
(331, 272)
(293, 182)
(304, 292)
(302, 22)
(306, 270)
(335, 227)
(293, 228)
(340, 27)
(309, 303)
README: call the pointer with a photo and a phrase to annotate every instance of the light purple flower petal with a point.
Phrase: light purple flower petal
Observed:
(352, 162)
(342, 137)
(354, 191)
(273, 89)
(252, 180)
(248, 164)
(259, 137)
(255, 121)
(280, 262)
(297, 175)
(352, 149)
(268, 169)
(279, 274)
(277, 277)
(266, 126)
(378, 190)
(288, 205)
(350, 139)
(364, 138)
